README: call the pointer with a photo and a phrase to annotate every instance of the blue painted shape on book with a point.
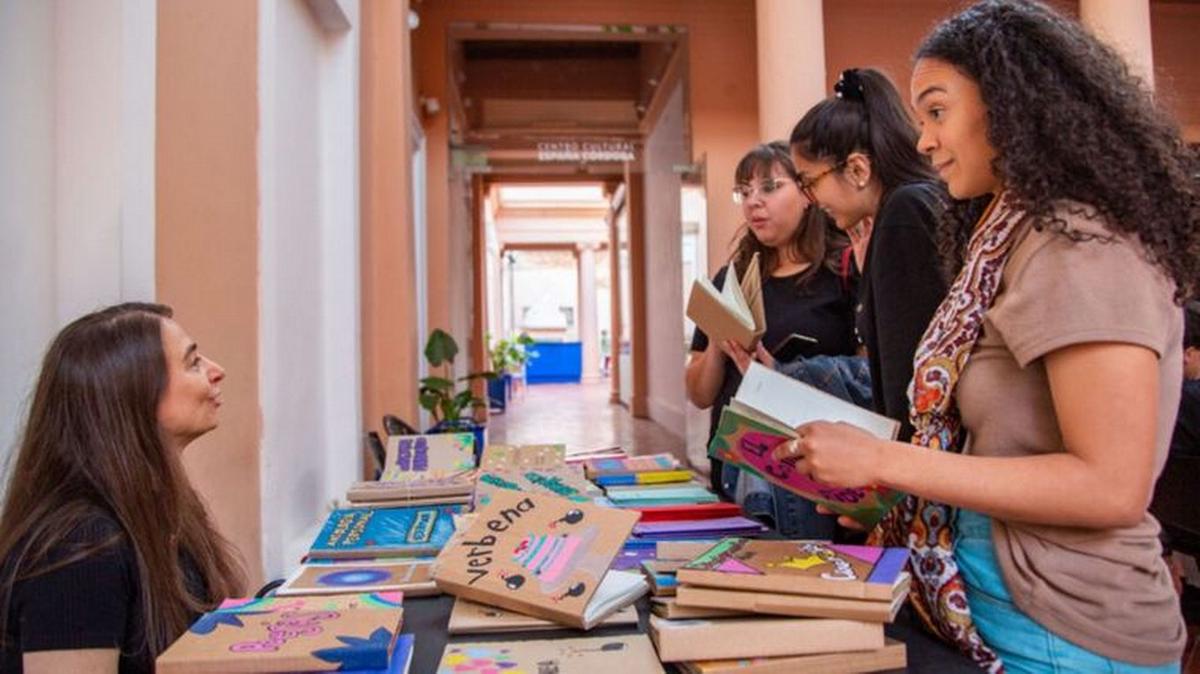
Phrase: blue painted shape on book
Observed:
(401, 657)
(412, 530)
(889, 566)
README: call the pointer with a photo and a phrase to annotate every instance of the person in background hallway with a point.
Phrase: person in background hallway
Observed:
(805, 288)
(1058, 352)
(1186, 439)
(106, 552)
(856, 156)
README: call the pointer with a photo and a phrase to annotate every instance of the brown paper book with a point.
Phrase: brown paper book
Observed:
(892, 656)
(680, 640)
(688, 550)
(564, 481)
(669, 608)
(733, 312)
(513, 457)
(793, 604)
(816, 568)
(454, 485)
(544, 556)
(470, 617)
(421, 457)
(289, 634)
(413, 577)
(582, 655)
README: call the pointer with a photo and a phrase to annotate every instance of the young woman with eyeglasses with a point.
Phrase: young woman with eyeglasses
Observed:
(805, 289)
(107, 554)
(1049, 377)
(856, 156)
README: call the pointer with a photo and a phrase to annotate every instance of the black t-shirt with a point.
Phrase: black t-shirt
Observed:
(821, 308)
(91, 603)
(1186, 439)
(900, 290)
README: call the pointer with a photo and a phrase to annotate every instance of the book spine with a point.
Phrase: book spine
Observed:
(511, 603)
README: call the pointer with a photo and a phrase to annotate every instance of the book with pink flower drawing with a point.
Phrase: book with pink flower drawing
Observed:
(352, 632)
(763, 415)
(543, 556)
(815, 568)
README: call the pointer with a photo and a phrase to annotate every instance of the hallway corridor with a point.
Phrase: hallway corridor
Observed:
(581, 417)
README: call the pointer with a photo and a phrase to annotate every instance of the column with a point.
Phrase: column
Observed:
(1125, 25)
(791, 63)
(589, 333)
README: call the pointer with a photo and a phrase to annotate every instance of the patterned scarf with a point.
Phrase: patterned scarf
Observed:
(938, 593)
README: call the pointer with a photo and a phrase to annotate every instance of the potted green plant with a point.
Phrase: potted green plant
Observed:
(508, 356)
(452, 409)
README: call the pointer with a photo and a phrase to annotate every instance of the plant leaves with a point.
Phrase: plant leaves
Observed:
(441, 348)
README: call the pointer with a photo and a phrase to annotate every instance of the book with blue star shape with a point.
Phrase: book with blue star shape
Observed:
(353, 632)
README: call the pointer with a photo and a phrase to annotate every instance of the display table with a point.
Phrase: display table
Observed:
(426, 618)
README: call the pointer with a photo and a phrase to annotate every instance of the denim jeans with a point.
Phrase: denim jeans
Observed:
(1023, 644)
(791, 515)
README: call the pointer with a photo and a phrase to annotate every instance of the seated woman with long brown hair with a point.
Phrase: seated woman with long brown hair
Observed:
(106, 552)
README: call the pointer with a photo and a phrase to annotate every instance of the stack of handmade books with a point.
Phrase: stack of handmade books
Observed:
(796, 598)
(542, 556)
(421, 470)
(583, 655)
(352, 632)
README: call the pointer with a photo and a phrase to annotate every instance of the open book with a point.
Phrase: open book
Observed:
(733, 312)
(763, 414)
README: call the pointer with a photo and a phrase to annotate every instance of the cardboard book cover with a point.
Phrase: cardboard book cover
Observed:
(289, 634)
(686, 550)
(565, 482)
(413, 457)
(582, 655)
(733, 312)
(747, 441)
(817, 568)
(535, 554)
(669, 608)
(514, 457)
(469, 617)
(795, 605)
(385, 532)
(704, 639)
(458, 484)
(893, 655)
(412, 577)
(635, 464)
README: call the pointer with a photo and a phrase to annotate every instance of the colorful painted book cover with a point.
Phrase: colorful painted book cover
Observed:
(413, 577)
(649, 495)
(540, 555)
(411, 457)
(385, 532)
(584, 655)
(748, 443)
(289, 634)
(565, 482)
(634, 464)
(817, 568)
(514, 457)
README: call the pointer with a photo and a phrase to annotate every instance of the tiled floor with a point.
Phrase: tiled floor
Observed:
(581, 416)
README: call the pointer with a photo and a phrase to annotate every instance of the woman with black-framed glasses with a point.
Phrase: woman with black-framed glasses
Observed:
(856, 159)
(806, 291)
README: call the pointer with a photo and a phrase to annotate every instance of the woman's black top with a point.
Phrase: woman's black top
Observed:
(822, 307)
(91, 603)
(900, 289)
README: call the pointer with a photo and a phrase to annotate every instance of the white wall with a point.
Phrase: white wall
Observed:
(310, 374)
(76, 173)
(665, 351)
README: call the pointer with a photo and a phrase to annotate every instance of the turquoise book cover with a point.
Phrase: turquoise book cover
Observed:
(385, 532)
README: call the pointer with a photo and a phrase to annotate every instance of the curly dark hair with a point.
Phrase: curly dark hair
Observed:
(1070, 121)
(816, 239)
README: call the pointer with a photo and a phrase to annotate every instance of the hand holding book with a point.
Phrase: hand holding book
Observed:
(834, 453)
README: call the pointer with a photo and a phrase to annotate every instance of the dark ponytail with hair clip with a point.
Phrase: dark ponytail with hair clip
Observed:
(865, 115)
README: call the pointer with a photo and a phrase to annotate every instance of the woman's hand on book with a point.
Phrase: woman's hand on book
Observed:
(742, 358)
(837, 454)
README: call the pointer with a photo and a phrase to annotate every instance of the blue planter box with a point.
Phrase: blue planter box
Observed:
(555, 362)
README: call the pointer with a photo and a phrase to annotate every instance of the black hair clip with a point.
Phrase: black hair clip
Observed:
(849, 86)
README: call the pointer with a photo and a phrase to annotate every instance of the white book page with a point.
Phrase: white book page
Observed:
(617, 589)
(793, 403)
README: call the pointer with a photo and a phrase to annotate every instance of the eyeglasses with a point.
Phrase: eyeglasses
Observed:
(807, 186)
(745, 191)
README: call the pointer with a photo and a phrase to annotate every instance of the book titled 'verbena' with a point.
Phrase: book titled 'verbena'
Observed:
(290, 634)
(544, 556)
(384, 532)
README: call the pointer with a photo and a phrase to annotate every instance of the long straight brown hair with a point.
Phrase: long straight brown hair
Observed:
(815, 240)
(92, 446)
